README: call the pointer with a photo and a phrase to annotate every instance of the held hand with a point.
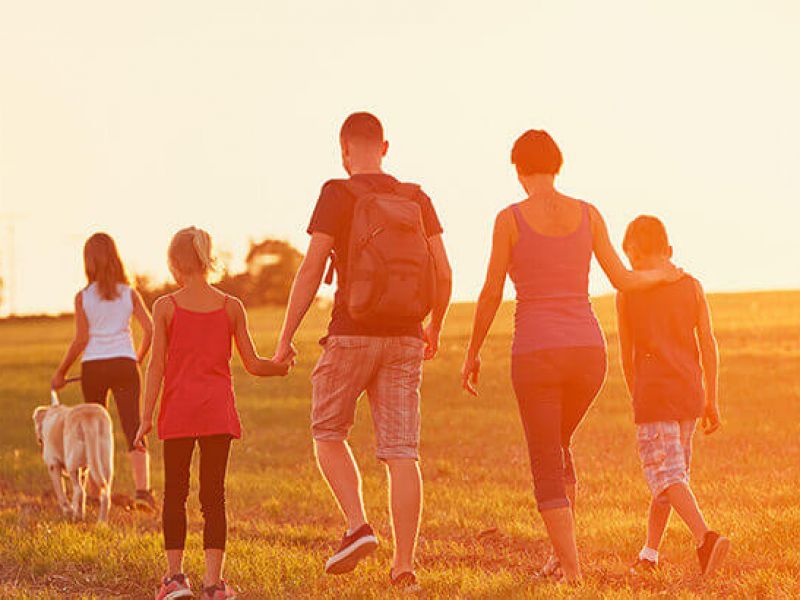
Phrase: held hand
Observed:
(431, 335)
(144, 428)
(283, 368)
(58, 381)
(711, 421)
(470, 372)
(285, 352)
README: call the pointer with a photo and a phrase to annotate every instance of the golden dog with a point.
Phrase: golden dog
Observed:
(75, 439)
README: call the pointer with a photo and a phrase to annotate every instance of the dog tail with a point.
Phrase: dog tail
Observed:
(100, 450)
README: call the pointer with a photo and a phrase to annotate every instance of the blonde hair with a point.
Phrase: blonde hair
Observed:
(103, 266)
(190, 252)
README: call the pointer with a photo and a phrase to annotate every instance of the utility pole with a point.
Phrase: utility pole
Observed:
(8, 265)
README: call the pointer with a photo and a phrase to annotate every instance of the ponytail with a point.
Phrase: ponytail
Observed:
(191, 252)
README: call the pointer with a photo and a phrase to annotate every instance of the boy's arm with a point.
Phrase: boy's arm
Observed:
(625, 345)
(253, 363)
(709, 359)
(304, 290)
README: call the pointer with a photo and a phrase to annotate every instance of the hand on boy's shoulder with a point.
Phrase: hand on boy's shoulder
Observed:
(675, 273)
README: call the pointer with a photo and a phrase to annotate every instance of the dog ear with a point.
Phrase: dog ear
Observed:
(38, 418)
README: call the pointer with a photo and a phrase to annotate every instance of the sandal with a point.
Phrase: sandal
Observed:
(551, 569)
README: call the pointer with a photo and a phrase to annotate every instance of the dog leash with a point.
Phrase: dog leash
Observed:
(54, 394)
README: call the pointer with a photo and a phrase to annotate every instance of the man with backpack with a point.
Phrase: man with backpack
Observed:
(384, 239)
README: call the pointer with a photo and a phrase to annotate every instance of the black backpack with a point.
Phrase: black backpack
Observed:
(390, 272)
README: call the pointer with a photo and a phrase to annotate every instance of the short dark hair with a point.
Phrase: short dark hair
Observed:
(363, 126)
(536, 152)
(647, 234)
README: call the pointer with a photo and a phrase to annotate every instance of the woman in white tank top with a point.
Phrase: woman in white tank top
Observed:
(103, 311)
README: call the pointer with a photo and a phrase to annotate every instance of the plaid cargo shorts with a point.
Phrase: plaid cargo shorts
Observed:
(665, 450)
(389, 370)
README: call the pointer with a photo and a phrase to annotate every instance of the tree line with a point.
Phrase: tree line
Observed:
(270, 266)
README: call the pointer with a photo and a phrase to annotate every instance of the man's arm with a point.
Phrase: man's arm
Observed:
(444, 289)
(625, 345)
(304, 290)
(709, 359)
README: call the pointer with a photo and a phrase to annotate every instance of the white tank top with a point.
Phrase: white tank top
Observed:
(109, 324)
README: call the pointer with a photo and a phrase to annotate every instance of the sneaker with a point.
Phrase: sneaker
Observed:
(405, 582)
(642, 565)
(177, 586)
(221, 591)
(145, 500)
(713, 552)
(354, 547)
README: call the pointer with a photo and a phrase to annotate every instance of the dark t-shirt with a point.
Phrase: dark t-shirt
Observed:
(333, 215)
(668, 382)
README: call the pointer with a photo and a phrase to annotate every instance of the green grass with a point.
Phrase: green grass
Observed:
(283, 522)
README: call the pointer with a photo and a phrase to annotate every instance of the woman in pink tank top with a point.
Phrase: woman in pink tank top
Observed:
(545, 243)
(194, 331)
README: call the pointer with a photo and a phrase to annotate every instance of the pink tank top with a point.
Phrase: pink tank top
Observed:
(551, 277)
(198, 397)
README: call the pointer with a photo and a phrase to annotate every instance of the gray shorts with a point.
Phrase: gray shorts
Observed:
(665, 449)
(389, 370)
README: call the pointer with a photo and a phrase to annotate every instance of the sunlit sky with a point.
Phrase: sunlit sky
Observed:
(140, 118)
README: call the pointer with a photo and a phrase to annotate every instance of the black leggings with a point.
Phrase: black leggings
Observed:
(214, 451)
(121, 376)
(554, 390)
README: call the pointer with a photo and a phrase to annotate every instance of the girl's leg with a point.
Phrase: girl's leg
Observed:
(95, 383)
(174, 562)
(126, 390)
(177, 461)
(140, 465)
(214, 452)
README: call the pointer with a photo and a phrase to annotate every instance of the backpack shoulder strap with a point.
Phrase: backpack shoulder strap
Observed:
(357, 188)
(408, 190)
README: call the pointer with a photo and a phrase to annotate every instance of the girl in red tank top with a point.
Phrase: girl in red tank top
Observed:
(194, 331)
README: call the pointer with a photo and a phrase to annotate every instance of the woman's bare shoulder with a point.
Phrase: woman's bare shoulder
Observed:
(505, 216)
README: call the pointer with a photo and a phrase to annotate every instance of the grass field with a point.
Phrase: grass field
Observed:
(481, 537)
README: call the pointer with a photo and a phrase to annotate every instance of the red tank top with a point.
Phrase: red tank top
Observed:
(198, 397)
(551, 276)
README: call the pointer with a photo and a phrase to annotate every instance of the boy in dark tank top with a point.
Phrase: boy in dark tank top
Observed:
(670, 361)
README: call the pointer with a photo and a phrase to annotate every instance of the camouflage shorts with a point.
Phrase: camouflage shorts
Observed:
(665, 449)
